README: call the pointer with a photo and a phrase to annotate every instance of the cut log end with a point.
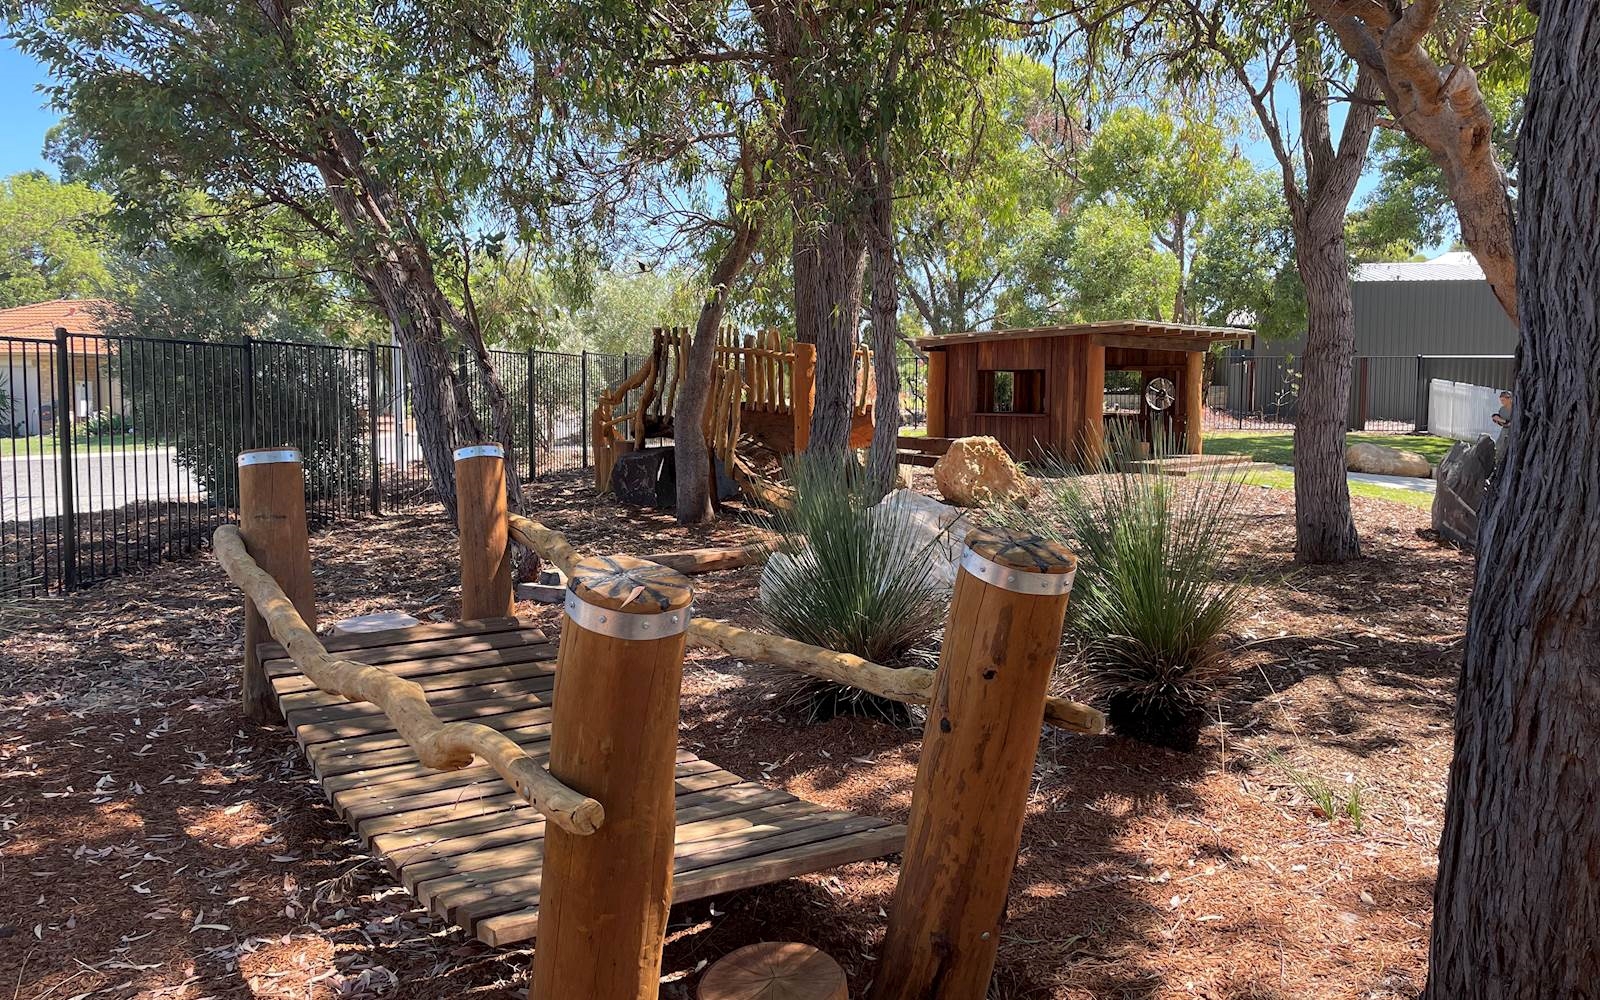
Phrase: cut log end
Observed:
(1021, 550)
(775, 970)
(636, 586)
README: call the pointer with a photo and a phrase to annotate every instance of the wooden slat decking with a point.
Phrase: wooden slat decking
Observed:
(468, 847)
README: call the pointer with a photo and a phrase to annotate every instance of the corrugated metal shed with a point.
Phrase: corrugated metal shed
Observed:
(1439, 306)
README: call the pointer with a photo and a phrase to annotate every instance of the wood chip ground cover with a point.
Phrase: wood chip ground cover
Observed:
(155, 844)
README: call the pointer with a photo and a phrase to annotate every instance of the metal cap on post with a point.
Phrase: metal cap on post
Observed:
(978, 749)
(604, 898)
(272, 521)
(481, 524)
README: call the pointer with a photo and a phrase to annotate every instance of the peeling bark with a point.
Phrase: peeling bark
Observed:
(1443, 108)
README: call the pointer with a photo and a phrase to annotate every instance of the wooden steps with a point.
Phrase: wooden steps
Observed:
(468, 847)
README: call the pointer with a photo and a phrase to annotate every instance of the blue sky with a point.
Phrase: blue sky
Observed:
(23, 125)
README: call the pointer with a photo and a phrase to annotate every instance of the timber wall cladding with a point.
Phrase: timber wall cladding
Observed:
(1070, 395)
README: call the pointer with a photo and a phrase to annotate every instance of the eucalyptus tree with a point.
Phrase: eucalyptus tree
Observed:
(667, 141)
(982, 247)
(1435, 67)
(1260, 52)
(871, 97)
(379, 127)
(1517, 901)
(1172, 169)
(54, 241)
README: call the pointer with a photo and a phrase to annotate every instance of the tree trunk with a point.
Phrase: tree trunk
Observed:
(691, 456)
(828, 262)
(439, 401)
(1324, 530)
(1517, 903)
(883, 458)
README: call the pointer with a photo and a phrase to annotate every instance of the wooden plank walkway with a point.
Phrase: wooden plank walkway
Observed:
(468, 847)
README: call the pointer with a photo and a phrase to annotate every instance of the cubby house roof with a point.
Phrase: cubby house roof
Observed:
(1119, 333)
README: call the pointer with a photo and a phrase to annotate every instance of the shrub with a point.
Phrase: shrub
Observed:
(845, 577)
(1149, 609)
(305, 396)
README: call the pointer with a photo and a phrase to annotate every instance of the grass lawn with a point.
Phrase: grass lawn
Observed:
(1279, 479)
(1278, 446)
(46, 444)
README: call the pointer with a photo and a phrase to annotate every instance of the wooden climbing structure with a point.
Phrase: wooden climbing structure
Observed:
(760, 387)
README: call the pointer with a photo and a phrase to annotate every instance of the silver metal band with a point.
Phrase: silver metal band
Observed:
(627, 625)
(1018, 581)
(269, 457)
(480, 451)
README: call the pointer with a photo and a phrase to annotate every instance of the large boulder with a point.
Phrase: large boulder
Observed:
(976, 472)
(1364, 456)
(1462, 481)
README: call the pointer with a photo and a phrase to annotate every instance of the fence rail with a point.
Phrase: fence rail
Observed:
(119, 452)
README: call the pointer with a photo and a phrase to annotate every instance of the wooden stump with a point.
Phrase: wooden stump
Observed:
(775, 970)
(481, 526)
(977, 762)
(604, 898)
(272, 521)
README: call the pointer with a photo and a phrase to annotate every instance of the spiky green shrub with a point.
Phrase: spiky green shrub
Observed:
(1151, 606)
(847, 577)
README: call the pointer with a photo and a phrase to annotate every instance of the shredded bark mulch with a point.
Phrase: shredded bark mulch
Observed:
(155, 844)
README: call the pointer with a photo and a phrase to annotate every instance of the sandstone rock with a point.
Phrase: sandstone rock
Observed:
(1364, 456)
(976, 471)
(933, 529)
(1462, 482)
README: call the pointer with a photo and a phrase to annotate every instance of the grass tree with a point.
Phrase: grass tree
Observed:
(1153, 602)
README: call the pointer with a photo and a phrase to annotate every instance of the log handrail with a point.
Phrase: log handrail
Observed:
(910, 685)
(438, 744)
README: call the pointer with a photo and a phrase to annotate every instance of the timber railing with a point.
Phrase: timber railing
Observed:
(911, 685)
(272, 521)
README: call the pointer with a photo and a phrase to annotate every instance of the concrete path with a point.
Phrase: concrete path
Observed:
(1411, 483)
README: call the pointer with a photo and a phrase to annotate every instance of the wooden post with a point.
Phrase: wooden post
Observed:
(935, 401)
(805, 393)
(1092, 434)
(272, 521)
(1194, 400)
(604, 898)
(481, 526)
(972, 783)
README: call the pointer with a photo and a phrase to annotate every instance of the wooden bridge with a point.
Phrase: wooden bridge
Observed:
(471, 849)
(760, 387)
(441, 746)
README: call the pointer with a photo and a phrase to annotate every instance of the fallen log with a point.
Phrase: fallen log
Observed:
(692, 561)
(906, 684)
(440, 745)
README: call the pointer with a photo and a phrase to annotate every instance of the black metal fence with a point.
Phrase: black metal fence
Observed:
(1387, 394)
(119, 452)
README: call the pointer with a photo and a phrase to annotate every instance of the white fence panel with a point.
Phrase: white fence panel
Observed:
(1461, 410)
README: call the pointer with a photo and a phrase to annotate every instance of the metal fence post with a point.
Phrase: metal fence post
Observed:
(65, 497)
(372, 428)
(1422, 399)
(583, 413)
(533, 439)
(247, 391)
